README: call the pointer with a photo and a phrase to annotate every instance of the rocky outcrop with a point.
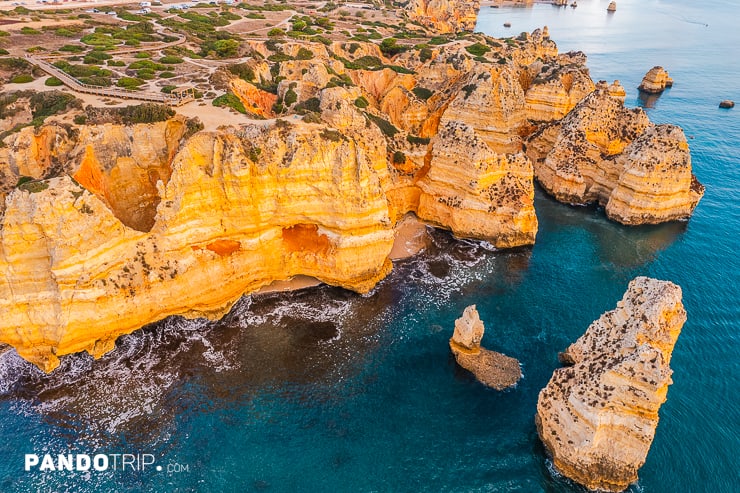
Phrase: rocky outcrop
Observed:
(240, 210)
(492, 369)
(158, 222)
(614, 156)
(597, 417)
(476, 192)
(727, 104)
(255, 100)
(553, 89)
(612, 7)
(444, 16)
(655, 81)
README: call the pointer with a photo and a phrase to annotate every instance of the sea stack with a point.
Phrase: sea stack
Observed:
(492, 369)
(727, 104)
(612, 7)
(655, 81)
(597, 417)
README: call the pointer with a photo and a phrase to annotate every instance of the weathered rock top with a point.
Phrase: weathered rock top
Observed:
(597, 417)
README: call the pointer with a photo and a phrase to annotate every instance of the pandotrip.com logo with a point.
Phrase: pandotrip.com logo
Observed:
(48, 463)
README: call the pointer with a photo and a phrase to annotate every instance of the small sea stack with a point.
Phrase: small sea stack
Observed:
(597, 416)
(492, 369)
(656, 80)
(727, 104)
(612, 7)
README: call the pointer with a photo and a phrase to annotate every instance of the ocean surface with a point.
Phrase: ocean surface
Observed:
(324, 390)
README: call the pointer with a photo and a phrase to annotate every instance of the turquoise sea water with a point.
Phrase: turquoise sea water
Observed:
(325, 390)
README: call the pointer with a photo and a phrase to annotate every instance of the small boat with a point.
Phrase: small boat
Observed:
(574, 4)
(612, 7)
(507, 24)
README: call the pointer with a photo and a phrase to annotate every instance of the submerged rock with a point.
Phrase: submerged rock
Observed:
(597, 418)
(655, 81)
(492, 369)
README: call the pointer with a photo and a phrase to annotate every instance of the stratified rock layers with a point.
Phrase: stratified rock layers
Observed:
(239, 211)
(605, 153)
(597, 418)
(444, 16)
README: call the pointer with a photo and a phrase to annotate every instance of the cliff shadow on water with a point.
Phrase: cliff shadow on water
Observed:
(624, 247)
(313, 341)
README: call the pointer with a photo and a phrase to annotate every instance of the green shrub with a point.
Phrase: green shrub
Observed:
(243, 71)
(304, 54)
(388, 129)
(390, 47)
(311, 105)
(96, 57)
(361, 102)
(143, 54)
(477, 49)
(422, 93)
(399, 157)
(129, 82)
(53, 82)
(21, 79)
(3, 51)
(414, 140)
(276, 31)
(145, 113)
(80, 119)
(29, 30)
(171, 60)
(116, 63)
(167, 75)
(33, 186)
(230, 100)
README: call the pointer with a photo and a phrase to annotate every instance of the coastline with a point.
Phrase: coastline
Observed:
(411, 237)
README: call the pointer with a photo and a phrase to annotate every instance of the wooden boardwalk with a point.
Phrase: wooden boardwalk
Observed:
(112, 92)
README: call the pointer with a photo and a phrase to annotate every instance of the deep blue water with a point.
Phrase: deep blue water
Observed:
(324, 390)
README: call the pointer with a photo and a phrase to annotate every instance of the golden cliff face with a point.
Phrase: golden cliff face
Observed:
(444, 16)
(477, 192)
(280, 201)
(608, 154)
(157, 222)
(597, 418)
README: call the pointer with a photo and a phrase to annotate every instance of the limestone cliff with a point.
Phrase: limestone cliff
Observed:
(606, 153)
(239, 210)
(159, 222)
(597, 418)
(444, 16)
(492, 369)
(476, 192)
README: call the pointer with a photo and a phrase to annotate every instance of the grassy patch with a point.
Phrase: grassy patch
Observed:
(230, 100)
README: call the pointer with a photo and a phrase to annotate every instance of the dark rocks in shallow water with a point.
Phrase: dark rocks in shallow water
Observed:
(727, 104)
(492, 369)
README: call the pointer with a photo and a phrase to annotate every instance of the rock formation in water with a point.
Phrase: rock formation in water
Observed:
(655, 81)
(444, 16)
(727, 104)
(605, 153)
(492, 369)
(612, 7)
(597, 417)
(122, 225)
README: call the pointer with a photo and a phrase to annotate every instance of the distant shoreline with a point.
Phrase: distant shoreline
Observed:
(512, 3)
